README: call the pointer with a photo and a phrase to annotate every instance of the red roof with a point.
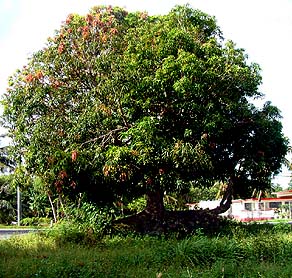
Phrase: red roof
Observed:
(283, 194)
(264, 199)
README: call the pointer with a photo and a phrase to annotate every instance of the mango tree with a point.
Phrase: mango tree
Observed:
(123, 104)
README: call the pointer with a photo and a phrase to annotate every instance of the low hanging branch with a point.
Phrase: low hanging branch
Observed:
(226, 201)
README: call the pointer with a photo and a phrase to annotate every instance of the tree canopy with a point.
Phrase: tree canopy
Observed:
(126, 104)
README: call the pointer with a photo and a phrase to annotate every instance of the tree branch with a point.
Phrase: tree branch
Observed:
(104, 137)
(226, 200)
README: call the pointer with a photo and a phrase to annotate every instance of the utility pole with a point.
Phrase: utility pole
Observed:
(18, 206)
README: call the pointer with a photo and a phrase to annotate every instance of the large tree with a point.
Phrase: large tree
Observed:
(126, 104)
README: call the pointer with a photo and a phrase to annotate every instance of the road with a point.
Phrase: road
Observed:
(6, 233)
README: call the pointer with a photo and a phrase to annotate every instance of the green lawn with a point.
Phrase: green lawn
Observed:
(261, 252)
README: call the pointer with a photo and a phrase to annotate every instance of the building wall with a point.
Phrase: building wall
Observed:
(254, 209)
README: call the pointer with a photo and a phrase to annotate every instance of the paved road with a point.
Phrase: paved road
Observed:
(6, 233)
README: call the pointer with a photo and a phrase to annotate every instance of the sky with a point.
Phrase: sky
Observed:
(262, 27)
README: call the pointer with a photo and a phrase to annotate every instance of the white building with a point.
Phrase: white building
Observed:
(255, 209)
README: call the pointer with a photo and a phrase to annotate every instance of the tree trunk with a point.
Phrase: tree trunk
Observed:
(53, 208)
(155, 206)
(62, 206)
(151, 220)
(154, 219)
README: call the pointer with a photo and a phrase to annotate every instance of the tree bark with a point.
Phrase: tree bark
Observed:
(152, 219)
(155, 206)
(226, 201)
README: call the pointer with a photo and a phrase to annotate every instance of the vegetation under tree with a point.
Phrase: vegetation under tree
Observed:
(121, 104)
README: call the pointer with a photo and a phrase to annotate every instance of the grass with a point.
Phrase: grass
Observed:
(275, 221)
(14, 227)
(244, 251)
(2, 226)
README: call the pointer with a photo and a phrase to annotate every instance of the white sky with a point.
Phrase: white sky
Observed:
(262, 27)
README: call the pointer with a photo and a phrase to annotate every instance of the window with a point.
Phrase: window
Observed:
(248, 206)
(275, 204)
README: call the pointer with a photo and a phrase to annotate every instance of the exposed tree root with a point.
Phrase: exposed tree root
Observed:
(182, 222)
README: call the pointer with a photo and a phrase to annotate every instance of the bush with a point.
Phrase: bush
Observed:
(92, 217)
(35, 221)
(85, 224)
(68, 232)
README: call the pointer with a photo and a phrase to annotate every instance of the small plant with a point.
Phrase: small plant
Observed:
(137, 205)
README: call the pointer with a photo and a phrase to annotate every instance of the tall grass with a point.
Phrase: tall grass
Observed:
(239, 251)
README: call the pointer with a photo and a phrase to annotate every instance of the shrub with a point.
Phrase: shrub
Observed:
(35, 221)
(85, 224)
(92, 217)
(66, 232)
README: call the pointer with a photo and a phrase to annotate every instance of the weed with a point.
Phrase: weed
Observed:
(66, 252)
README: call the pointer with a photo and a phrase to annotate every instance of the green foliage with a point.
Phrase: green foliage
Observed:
(35, 221)
(7, 200)
(282, 227)
(119, 104)
(6, 163)
(37, 201)
(33, 197)
(89, 216)
(68, 232)
(137, 205)
(86, 224)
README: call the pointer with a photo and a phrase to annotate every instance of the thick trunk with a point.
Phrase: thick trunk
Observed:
(154, 219)
(151, 219)
(155, 204)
